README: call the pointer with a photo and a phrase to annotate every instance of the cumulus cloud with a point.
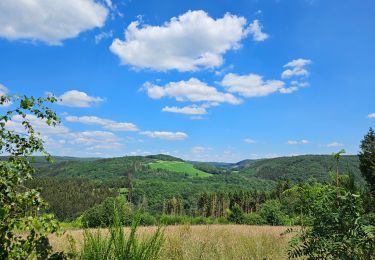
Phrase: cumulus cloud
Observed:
(188, 42)
(371, 115)
(249, 141)
(106, 123)
(294, 142)
(39, 125)
(192, 90)
(89, 138)
(251, 85)
(296, 68)
(49, 21)
(188, 110)
(334, 144)
(255, 29)
(288, 90)
(165, 135)
(75, 98)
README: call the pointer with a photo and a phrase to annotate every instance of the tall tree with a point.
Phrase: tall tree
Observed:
(367, 158)
(22, 226)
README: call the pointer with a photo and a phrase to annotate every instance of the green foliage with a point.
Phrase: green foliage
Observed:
(102, 215)
(146, 219)
(164, 157)
(209, 168)
(118, 245)
(179, 167)
(236, 215)
(302, 168)
(367, 159)
(337, 230)
(253, 219)
(271, 212)
(22, 226)
(173, 220)
(68, 198)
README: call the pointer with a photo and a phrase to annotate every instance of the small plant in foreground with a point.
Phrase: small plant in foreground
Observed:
(118, 245)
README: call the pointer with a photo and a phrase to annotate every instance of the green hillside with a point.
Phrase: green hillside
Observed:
(180, 167)
(301, 168)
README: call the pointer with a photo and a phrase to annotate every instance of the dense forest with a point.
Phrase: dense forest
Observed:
(162, 184)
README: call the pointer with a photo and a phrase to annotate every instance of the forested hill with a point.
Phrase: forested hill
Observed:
(300, 168)
(72, 185)
(296, 168)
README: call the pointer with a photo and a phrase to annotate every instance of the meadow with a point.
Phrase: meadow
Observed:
(179, 167)
(204, 241)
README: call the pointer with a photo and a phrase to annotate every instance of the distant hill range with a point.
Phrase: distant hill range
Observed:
(296, 168)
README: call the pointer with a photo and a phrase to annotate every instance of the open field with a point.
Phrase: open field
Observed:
(207, 242)
(181, 167)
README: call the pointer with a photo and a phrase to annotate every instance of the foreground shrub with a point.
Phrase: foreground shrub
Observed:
(118, 245)
(337, 229)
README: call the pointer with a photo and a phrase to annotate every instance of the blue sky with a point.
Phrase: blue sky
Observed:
(202, 80)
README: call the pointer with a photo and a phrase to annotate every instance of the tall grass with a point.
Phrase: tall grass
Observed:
(118, 245)
(214, 242)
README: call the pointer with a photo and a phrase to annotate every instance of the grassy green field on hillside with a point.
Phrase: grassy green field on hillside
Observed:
(180, 167)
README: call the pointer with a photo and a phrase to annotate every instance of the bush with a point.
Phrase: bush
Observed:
(173, 220)
(102, 215)
(337, 229)
(272, 214)
(253, 219)
(146, 219)
(201, 221)
(236, 215)
(221, 220)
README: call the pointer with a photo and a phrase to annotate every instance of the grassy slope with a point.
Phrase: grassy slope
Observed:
(180, 167)
(207, 242)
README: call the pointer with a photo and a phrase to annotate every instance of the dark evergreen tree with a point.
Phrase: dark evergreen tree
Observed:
(367, 158)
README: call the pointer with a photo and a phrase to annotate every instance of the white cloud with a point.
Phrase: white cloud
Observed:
(38, 124)
(288, 90)
(48, 20)
(294, 142)
(198, 150)
(296, 68)
(334, 144)
(251, 85)
(249, 141)
(75, 98)
(297, 63)
(165, 135)
(188, 110)
(106, 123)
(103, 35)
(4, 91)
(371, 115)
(93, 137)
(192, 90)
(255, 29)
(189, 42)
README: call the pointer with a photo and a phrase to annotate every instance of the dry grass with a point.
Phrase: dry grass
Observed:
(208, 242)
